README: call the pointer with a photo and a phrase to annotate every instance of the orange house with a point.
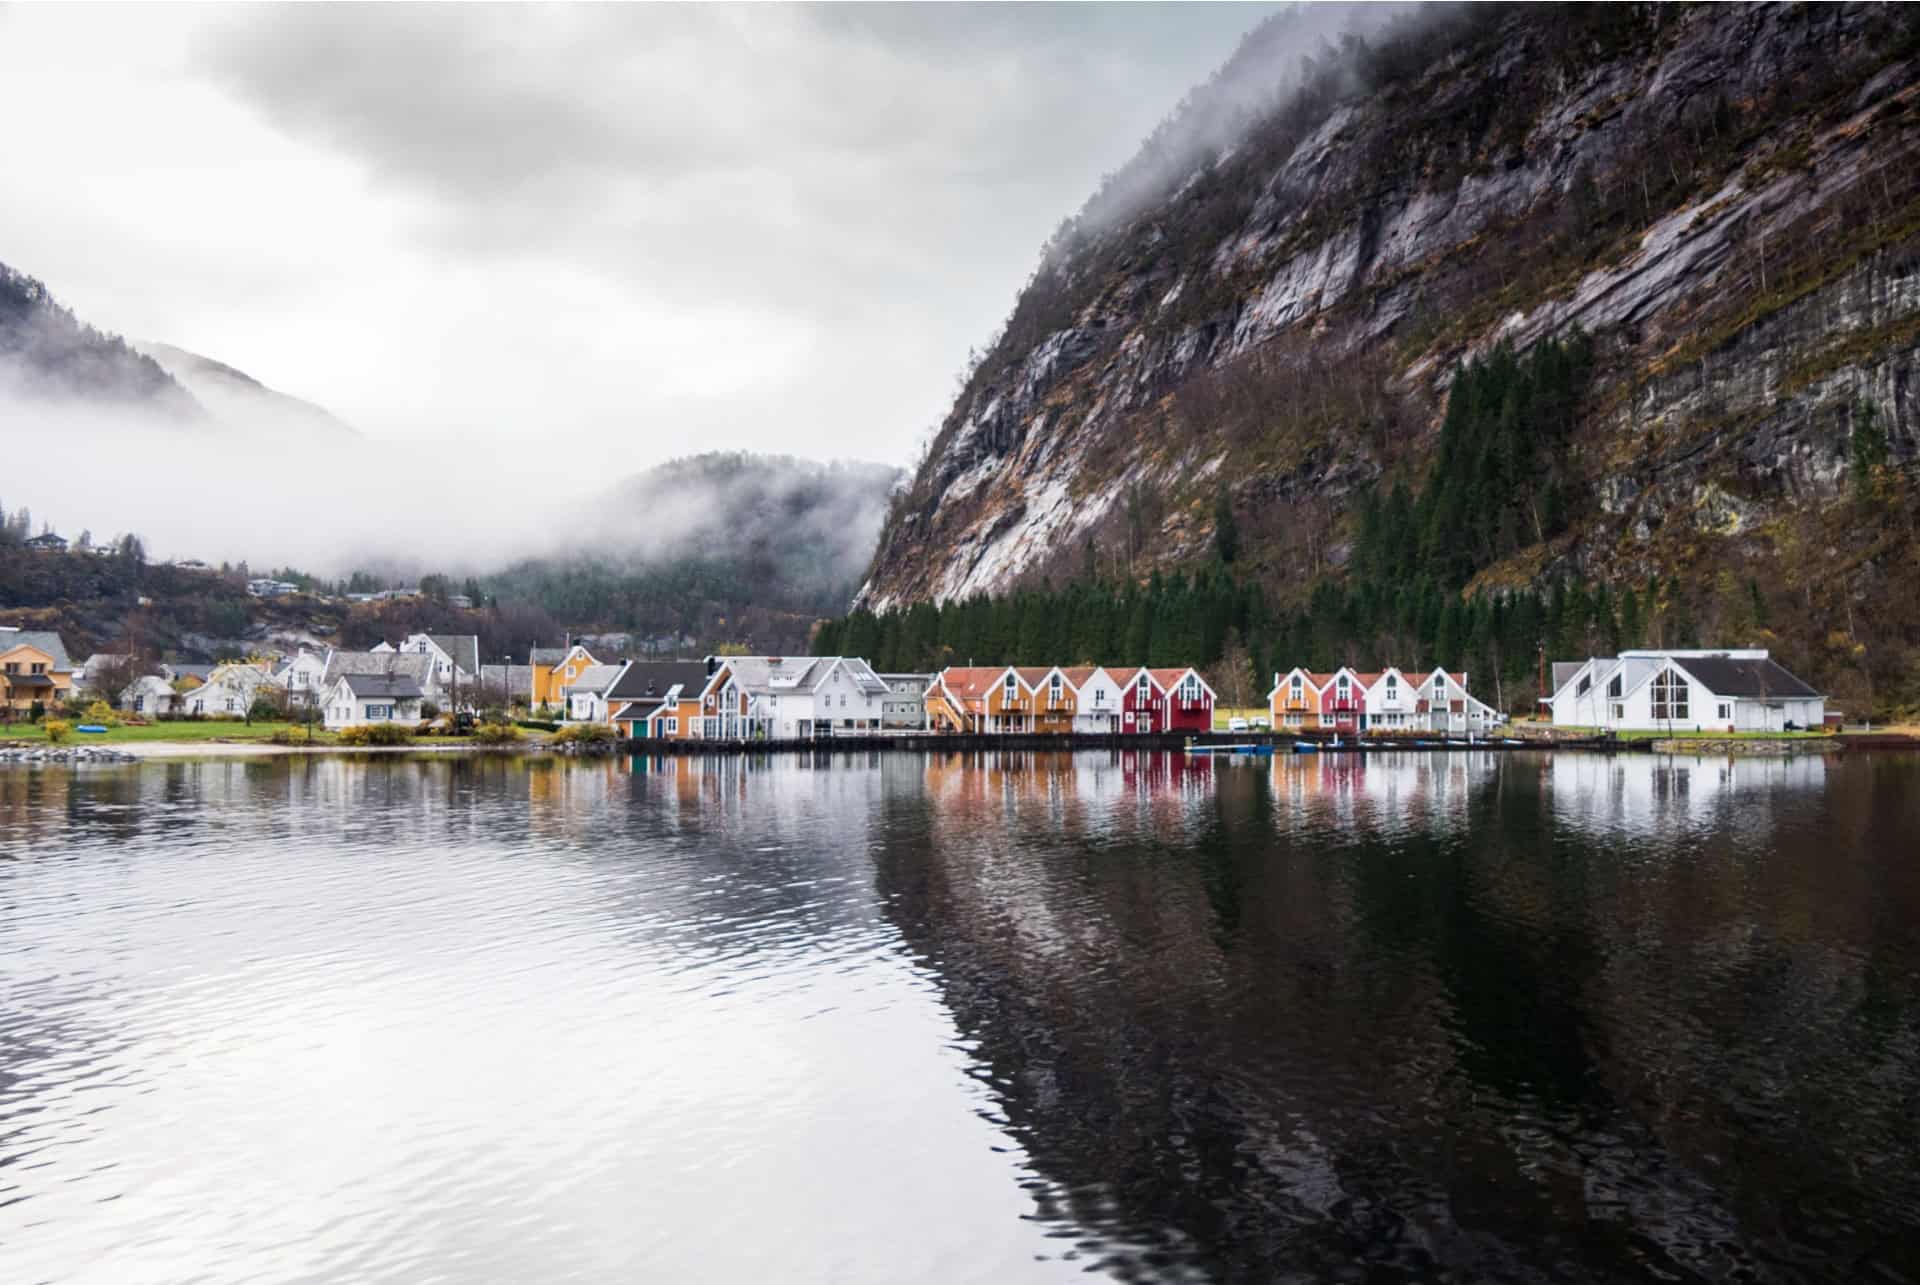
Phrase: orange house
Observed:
(983, 698)
(555, 667)
(34, 669)
(1294, 702)
(1055, 700)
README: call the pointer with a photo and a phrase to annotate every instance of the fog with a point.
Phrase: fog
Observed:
(225, 493)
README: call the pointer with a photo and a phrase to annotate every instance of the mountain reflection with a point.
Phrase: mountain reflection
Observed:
(1511, 1017)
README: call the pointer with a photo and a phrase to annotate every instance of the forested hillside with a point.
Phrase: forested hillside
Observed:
(1612, 304)
(47, 355)
(721, 546)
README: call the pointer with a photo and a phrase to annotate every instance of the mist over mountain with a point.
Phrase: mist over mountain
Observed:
(51, 358)
(237, 400)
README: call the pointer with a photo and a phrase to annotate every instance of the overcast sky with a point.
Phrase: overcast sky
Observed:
(663, 229)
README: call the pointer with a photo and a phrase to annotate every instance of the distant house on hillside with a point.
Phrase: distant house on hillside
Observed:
(358, 699)
(267, 587)
(48, 542)
(34, 669)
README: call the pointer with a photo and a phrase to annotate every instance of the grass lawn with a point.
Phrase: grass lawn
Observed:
(188, 732)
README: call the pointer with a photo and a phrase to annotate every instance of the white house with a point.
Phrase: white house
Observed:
(794, 696)
(1741, 690)
(303, 676)
(1096, 712)
(149, 696)
(1392, 703)
(355, 699)
(1447, 705)
(229, 689)
(456, 657)
(407, 664)
(584, 700)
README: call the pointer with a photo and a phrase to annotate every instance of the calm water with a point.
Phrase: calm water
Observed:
(1462, 1017)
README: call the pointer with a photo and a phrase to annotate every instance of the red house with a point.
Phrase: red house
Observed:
(1189, 701)
(1142, 701)
(1343, 700)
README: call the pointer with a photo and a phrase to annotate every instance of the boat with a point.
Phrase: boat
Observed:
(92, 729)
(1305, 747)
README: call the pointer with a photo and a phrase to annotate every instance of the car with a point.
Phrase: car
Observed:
(1262, 725)
(1237, 725)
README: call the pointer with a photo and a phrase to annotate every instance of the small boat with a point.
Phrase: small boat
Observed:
(92, 729)
(1305, 747)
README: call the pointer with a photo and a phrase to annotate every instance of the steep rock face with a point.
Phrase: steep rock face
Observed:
(1727, 199)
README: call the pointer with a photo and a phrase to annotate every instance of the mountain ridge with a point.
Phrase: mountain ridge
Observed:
(1725, 197)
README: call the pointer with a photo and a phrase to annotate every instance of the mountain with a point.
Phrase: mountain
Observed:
(1713, 211)
(48, 356)
(237, 400)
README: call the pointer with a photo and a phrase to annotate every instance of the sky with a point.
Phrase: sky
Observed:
(610, 234)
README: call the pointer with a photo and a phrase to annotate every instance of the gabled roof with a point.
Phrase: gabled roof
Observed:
(1031, 676)
(1168, 679)
(1727, 676)
(395, 686)
(652, 679)
(972, 682)
(463, 648)
(554, 655)
(594, 678)
(45, 640)
(1080, 675)
(412, 664)
(1564, 670)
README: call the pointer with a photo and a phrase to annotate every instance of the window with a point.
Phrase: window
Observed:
(1586, 685)
(379, 713)
(1614, 687)
(1011, 686)
(1669, 697)
(39, 668)
(139, 703)
(233, 706)
(1726, 713)
(1392, 682)
(13, 667)
(1296, 684)
(1343, 682)
(1141, 686)
(1619, 713)
(1054, 684)
(670, 726)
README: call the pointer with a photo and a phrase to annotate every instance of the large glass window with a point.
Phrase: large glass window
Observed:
(1669, 697)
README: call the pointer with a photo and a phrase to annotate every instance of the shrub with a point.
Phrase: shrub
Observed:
(38, 712)
(536, 725)
(584, 734)
(429, 711)
(264, 708)
(377, 734)
(57, 730)
(101, 712)
(496, 733)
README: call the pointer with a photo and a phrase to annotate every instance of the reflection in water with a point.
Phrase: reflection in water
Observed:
(988, 1016)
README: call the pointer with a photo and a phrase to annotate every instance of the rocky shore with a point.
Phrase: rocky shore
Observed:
(63, 754)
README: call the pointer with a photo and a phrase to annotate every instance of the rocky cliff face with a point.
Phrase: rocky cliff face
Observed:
(1726, 198)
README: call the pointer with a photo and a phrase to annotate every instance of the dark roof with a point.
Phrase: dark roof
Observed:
(1725, 676)
(546, 655)
(397, 686)
(184, 669)
(464, 648)
(632, 710)
(651, 679)
(412, 664)
(26, 680)
(47, 541)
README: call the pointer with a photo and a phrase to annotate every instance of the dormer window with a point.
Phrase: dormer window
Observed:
(1013, 686)
(1296, 682)
(1142, 685)
(1392, 682)
(1344, 683)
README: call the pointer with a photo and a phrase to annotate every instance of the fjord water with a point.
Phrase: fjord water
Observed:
(991, 1017)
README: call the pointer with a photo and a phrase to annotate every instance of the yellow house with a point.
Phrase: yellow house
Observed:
(34, 669)
(555, 667)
